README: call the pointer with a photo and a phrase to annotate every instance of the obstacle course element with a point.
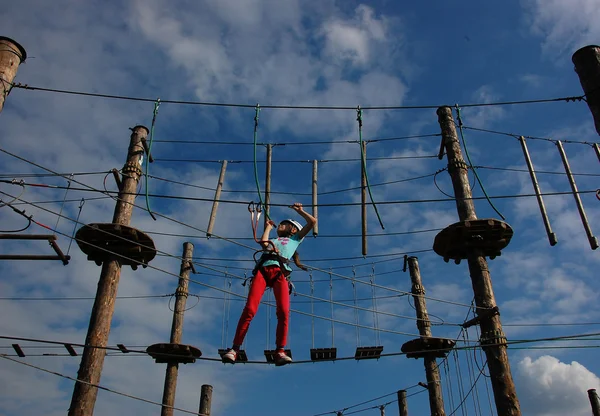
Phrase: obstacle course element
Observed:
(270, 355)
(323, 354)
(428, 347)
(241, 355)
(365, 353)
(173, 353)
(102, 241)
(51, 240)
(486, 236)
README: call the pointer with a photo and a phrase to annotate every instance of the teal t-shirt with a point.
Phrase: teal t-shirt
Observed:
(287, 247)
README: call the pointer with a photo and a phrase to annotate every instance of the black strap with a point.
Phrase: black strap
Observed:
(272, 256)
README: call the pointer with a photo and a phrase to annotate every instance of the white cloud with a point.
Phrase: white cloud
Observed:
(564, 26)
(483, 117)
(548, 387)
(350, 40)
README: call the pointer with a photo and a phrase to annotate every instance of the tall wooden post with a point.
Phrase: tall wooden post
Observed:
(492, 340)
(205, 399)
(586, 225)
(177, 328)
(594, 401)
(92, 360)
(587, 67)
(363, 200)
(434, 385)
(268, 183)
(536, 187)
(315, 209)
(213, 212)
(402, 406)
(11, 56)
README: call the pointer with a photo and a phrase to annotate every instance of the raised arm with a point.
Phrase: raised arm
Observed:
(310, 220)
(264, 240)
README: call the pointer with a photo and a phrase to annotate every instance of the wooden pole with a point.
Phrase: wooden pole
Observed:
(586, 225)
(363, 200)
(315, 209)
(594, 401)
(181, 295)
(11, 56)
(436, 399)
(205, 400)
(402, 406)
(213, 212)
(492, 336)
(587, 67)
(92, 360)
(536, 187)
(268, 183)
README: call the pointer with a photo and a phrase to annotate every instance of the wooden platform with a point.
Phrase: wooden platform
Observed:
(323, 354)
(364, 353)
(428, 347)
(173, 353)
(130, 246)
(487, 236)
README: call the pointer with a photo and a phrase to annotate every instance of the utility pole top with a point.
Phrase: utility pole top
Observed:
(12, 54)
(587, 67)
(22, 54)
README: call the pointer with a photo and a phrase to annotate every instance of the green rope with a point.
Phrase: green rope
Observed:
(156, 105)
(257, 111)
(462, 136)
(364, 162)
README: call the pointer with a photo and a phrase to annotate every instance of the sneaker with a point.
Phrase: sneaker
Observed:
(230, 356)
(282, 359)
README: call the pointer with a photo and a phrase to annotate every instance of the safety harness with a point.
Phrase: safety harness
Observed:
(267, 254)
(270, 255)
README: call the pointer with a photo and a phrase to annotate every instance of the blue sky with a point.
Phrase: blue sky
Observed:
(301, 53)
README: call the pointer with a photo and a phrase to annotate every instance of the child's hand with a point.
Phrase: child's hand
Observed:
(297, 207)
(271, 223)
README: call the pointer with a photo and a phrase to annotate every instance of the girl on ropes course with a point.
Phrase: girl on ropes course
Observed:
(272, 270)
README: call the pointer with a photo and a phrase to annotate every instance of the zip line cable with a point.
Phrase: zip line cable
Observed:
(289, 107)
(100, 387)
(326, 205)
(148, 154)
(429, 230)
(256, 114)
(299, 143)
(464, 399)
(229, 274)
(516, 136)
(43, 175)
(234, 242)
(219, 271)
(248, 191)
(363, 162)
(296, 160)
(465, 347)
(365, 402)
(462, 136)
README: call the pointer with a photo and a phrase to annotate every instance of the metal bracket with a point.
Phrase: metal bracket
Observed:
(485, 314)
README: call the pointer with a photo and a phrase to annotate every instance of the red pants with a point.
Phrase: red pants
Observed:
(275, 279)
